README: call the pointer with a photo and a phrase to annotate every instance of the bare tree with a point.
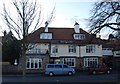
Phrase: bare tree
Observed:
(105, 14)
(28, 17)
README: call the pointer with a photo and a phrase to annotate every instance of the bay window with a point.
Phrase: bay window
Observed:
(90, 61)
(69, 61)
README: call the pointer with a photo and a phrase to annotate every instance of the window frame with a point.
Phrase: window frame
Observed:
(88, 61)
(90, 48)
(71, 48)
(55, 49)
(34, 63)
(79, 36)
(69, 61)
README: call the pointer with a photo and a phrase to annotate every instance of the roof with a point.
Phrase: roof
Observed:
(63, 35)
(115, 44)
(8, 37)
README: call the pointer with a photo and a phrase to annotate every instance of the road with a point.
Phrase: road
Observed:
(78, 77)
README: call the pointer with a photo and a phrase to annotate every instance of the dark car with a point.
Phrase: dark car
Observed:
(95, 69)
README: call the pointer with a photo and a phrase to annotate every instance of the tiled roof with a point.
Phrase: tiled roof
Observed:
(63, 35)
(115, 44)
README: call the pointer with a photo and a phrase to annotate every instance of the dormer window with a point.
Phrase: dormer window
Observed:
(79, 36)
(46, 36)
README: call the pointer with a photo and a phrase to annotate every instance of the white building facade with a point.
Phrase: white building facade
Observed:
(69, 46)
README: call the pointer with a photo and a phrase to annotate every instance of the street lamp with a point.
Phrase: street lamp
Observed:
(15, 63)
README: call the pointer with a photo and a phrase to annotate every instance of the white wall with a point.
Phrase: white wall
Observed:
(63, 51)
(39, 46)
(98, 51)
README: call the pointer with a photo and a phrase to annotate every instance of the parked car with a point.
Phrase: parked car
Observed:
(95, 69)
(59, 69)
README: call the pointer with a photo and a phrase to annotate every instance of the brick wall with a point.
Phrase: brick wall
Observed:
(10, 69)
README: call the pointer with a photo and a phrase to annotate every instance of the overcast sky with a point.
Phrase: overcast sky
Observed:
(66, 12)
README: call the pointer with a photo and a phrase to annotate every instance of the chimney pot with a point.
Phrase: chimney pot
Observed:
(76, 28)
(46, 26)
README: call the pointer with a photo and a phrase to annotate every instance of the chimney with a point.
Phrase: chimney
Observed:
(76, 28)
(46, 26)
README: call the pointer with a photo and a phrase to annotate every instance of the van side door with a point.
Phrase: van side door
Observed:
(58, 69)
(65, 69)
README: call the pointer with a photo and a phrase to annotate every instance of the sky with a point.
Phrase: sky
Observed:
(66, 13)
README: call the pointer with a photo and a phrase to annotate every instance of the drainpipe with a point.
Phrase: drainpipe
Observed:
(79, 57)
(49, 48)
(79, 51)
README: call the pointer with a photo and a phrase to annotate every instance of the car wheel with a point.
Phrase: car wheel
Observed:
(94, 72)
(69, 73)
(51, 74)
(108, 72)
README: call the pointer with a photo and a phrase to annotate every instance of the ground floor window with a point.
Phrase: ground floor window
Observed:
(34, 63)
(57, 61)
(68, 61)
(90, 61)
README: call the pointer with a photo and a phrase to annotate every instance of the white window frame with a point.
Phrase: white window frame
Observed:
(88, 60)
(55, 49)
(66, 61)
(35, 60)
(71, 48)
(46, 36)
(79, 36)
(90, 48)
(34, 50)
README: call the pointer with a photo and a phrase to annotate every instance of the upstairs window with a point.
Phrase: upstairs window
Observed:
(46, 36)
(106, 48)
(103, 48)
(72, 49)
(117, 53)
(79, 36)
(90, 48)
(55, 49)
